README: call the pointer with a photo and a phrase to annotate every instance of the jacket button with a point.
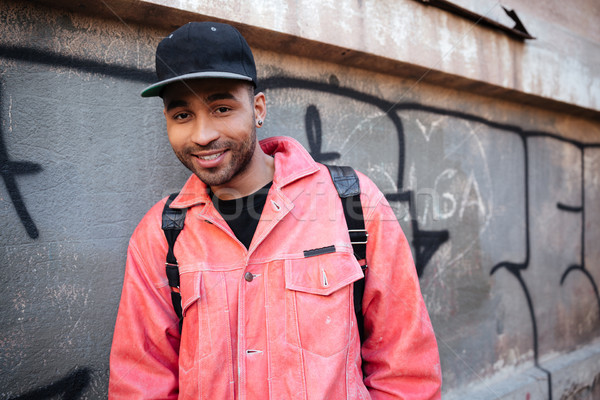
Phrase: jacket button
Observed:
(248, 276)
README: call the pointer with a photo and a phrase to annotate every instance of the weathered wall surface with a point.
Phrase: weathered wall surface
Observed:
(500, 201)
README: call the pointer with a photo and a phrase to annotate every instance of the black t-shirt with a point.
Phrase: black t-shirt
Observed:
(243, 214)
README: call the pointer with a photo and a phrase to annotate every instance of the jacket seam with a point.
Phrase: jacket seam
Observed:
(183, 268)
(140, 257)
(267, 332)
(300, 348)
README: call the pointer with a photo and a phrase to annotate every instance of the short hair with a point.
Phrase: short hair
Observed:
(252, 90)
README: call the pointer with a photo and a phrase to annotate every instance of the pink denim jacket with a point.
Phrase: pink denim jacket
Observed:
(270, 322)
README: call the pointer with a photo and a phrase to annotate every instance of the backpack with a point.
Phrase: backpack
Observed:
(347, 185)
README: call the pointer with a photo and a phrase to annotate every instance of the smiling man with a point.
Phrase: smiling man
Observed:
(211, 125)
(260, 303)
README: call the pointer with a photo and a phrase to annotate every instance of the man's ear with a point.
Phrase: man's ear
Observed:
(260, 106)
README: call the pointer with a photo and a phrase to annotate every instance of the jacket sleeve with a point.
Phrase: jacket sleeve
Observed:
(145, 347)
(400, 353)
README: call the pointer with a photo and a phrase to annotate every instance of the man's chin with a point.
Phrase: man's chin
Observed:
(212, 177)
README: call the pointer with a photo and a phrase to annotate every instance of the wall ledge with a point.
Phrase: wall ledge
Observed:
(153, 13)
(571, 373)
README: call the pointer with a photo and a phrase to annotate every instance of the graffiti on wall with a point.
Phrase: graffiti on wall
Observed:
(516, 269)
(425, 243)
(72, 385)
(9, 171)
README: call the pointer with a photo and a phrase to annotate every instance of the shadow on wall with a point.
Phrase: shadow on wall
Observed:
(424, 243)
(69, 388)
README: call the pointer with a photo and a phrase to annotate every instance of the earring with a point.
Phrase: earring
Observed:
(259, 122)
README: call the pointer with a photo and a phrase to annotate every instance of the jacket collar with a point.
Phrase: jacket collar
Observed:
(292, 162)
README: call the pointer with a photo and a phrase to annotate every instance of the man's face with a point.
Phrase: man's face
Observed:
(212, 128)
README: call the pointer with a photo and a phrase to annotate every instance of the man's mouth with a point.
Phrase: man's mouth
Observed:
(210, 159)
(210, 156)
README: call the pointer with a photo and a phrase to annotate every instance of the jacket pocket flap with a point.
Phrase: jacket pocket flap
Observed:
(190, 285)
(323, 274)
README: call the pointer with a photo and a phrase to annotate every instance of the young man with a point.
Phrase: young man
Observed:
(266, 266)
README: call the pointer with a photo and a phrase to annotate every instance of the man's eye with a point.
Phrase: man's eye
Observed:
(221, 110)
(181, 116)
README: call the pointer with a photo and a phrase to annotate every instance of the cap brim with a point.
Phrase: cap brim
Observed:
(155, 89)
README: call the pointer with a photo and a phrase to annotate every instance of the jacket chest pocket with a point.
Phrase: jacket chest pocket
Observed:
(319, 303)
(196, 338)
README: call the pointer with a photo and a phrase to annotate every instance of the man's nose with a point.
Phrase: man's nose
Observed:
(204, 132)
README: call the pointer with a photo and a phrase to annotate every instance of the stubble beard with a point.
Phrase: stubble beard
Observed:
(241, 154)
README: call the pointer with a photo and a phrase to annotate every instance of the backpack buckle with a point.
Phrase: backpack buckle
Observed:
(358, 236)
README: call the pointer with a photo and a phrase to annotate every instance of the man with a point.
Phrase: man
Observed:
(265, 262)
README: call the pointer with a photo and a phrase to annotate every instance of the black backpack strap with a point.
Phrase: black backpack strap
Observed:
(348, 187)
(173, 220)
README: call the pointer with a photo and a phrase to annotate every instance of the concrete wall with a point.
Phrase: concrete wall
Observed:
(493, 170)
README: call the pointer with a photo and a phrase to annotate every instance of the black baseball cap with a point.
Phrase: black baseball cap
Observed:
(202, 50)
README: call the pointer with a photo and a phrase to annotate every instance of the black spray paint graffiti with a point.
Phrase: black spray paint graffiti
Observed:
(581, 210)
(426, 243)
(516, 268)
(72, 386)
(9, 170)
(69, 388)
(314, 134)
